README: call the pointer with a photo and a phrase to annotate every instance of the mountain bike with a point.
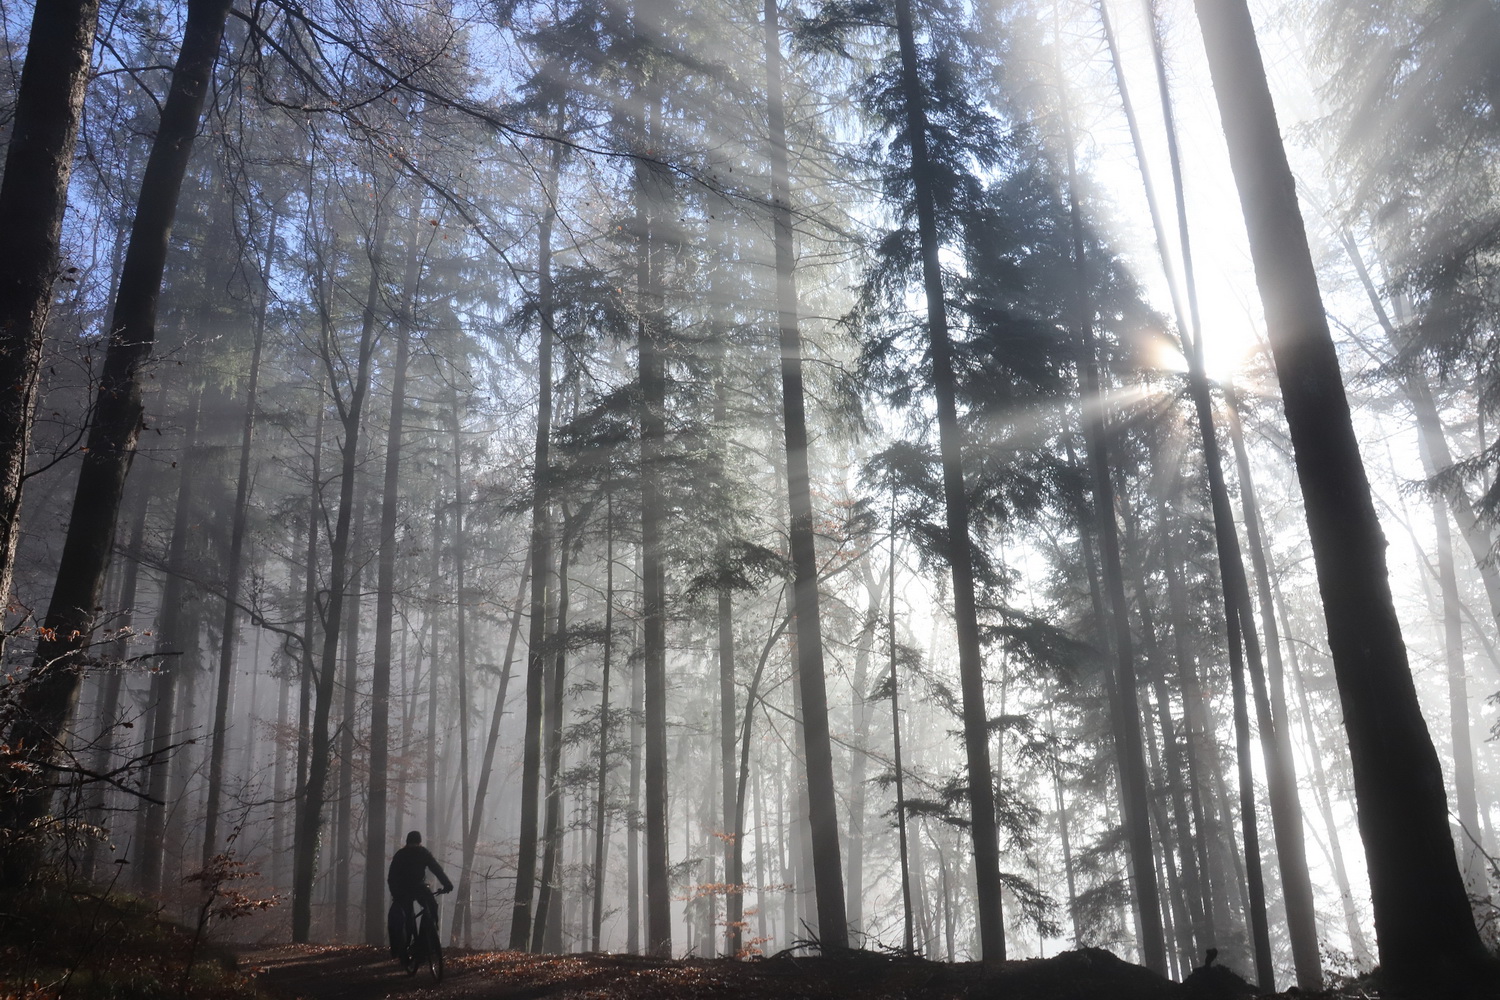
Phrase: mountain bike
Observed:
(423, 948)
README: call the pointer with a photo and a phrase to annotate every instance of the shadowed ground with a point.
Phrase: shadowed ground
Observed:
(365, 973)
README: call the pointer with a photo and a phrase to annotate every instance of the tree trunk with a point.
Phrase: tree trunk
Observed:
(541, 568)
(376, 829)
(601, 833)
(1185, 896)
(229, 631)
(1323, 797)
(151, 821)
(1130, 755)
(277, 871)
(53, 681)
(486, 767)
(1200, 746)
(430, 769)
(1423, 922)
(752, 699)
(734, 901)
(1276, 742)
(828, 876)
(650, 199)
(1458, 710)
(985, 837)
(1286, 811)
(461, 660)
(343, 822)
(1179, 927)
(109, 715)
(552, 839)
(859, 754)
(351, 412)
(33, 198)
(908, 941)
(185, 766)
(633, 823)
(310, 599)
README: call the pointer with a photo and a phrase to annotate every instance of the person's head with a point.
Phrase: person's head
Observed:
(413, 838)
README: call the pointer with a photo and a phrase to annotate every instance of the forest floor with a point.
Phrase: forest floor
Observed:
(292, 972)
(79, 943)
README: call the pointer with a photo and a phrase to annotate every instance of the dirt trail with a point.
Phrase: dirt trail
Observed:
(328, 972)
(353, 972)
(312, 972)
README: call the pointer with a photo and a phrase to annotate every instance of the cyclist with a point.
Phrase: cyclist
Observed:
(407, 880)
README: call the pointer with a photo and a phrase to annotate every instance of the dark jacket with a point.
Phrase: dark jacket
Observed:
(409, 868)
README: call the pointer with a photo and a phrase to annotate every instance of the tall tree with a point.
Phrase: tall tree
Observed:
(651, 193)
(171, 648)
(1129, 752)
(828, 876)
(982, 829)
(229, 629)
(33, 197)
(349, 400)
(385, 595)
(56, 671)
(541, 569)
(1424, 927)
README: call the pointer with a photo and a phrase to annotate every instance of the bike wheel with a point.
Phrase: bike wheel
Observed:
(411, 958)
(434, 956)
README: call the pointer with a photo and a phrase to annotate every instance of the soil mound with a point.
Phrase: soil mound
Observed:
(1085, 974)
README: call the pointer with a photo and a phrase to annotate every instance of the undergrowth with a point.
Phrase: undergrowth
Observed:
(88, 943)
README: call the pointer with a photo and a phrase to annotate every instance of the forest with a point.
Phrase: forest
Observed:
(966, 481)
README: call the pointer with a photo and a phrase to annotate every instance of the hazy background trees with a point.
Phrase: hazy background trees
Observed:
(746, 474)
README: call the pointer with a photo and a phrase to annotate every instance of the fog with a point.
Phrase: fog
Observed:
(554, 442)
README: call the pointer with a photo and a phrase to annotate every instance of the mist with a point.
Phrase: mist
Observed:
(970, 481)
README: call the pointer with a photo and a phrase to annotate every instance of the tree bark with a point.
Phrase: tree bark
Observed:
(151, 821)
(1432, 445)
(343, 813)
(601, 833)
(1286, 811)
(1423, 922)
(828, 876)
(1322, 796)
(908, 940)
(351, 412)
(734, 893)
(552, 833)
(229, 628)
(541, 568)
(109, 715)
(1276, 741)
(486, 767)
(653, 390)
(310, 597)
(633, 822)
(461, 648)
(53, 680)
(986, 843)
(376, 820)
(33, 198)
(1134, 799)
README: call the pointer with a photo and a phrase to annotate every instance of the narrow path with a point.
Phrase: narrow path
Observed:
(356, 972)
(350, 972)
